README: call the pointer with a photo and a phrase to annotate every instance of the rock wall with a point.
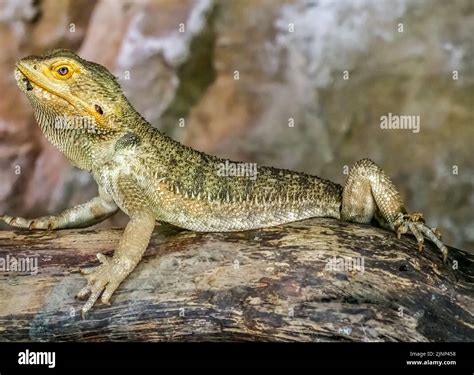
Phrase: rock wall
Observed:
(293, 84)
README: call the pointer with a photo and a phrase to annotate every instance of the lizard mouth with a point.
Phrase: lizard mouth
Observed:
(21, 77)
(29, 86)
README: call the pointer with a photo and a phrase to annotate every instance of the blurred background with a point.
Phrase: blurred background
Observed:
(289, 83)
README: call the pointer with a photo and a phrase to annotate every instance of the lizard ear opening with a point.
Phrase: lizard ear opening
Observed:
(98, 109)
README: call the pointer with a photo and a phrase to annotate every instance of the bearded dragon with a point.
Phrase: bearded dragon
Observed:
(81, 109)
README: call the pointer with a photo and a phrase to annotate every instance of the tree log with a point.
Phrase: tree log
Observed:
(314, 280)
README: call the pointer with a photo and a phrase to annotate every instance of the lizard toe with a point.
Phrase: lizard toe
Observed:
(413, 226)
(109, 290)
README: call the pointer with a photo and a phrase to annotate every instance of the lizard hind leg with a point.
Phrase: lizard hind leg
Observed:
(370, 194)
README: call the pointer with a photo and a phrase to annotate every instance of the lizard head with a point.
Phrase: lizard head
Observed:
(68, 91)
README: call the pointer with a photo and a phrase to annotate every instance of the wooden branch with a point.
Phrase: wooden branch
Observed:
(274, 284)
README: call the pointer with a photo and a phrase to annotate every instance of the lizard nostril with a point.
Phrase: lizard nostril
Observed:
(34, 67)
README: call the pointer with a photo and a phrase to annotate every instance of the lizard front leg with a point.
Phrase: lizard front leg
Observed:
(105, 278)
(84, 215)
(369, 193)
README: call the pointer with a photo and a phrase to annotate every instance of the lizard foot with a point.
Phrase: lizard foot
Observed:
(416, 225)
(21, 222)
(103, 279)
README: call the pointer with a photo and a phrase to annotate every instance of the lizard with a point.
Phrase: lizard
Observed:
(82, 110)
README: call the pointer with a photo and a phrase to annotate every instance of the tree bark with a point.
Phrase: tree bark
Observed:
(284, 283)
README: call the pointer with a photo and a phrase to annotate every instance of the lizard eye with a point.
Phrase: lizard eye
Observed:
(63, 70)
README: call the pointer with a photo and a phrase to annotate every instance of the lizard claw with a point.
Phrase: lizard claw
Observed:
(421, 247)
(416, 225)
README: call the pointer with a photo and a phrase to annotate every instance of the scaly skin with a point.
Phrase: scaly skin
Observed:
(81, 110)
